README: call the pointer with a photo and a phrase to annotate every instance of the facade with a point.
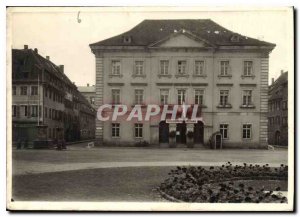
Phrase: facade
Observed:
(278, 111)
(89, 92)
(44, 97)
(185, 62)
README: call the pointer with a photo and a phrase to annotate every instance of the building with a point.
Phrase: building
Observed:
(196, 62)
(45, 103)
(278, 111)
(89, 92)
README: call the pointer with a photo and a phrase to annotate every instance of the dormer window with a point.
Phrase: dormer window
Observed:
(127, 39)
(235, 38)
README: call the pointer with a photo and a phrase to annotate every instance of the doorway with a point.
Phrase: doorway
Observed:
(199, 132)
(181, 133)
(163, 132)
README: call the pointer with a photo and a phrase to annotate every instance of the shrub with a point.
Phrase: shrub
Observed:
(226, 184)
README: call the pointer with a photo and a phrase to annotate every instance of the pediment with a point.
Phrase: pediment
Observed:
(181, 40)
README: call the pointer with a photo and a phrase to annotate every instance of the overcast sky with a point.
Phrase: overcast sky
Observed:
(59, 35)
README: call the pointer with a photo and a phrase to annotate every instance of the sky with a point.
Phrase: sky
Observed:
(56, 32)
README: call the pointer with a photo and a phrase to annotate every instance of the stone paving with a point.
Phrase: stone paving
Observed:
(78, 157)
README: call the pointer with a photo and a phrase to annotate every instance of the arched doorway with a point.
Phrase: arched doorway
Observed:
(163, 132)
(181, 133)
(277, 138)
(199, 132)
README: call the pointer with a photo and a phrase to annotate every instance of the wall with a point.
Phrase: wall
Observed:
(211, 84)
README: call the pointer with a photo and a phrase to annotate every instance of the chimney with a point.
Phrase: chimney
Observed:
(281, 71)
(87, 84)
(47, 57)
(272, 80)
(25, 47)
(61, 68)
(36, 50)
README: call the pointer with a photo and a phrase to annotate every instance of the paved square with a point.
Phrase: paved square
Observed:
(114, 174)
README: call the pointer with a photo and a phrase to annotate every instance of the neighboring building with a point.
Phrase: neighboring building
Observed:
(89, 92)
(185, 61)
(43, 96)
(278, 111)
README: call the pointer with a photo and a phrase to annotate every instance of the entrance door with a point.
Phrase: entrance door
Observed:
(198, 133)
(218, 141)
(163, 132)
(181, 133)
(277, 138)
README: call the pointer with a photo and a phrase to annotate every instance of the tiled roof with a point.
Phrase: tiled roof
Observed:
(282, 79)
(151, 31)
(37, 59)
(86, 89)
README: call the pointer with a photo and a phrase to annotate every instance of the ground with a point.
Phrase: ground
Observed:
(114, 174)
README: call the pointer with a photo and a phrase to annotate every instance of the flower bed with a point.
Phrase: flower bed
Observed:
(225, 184)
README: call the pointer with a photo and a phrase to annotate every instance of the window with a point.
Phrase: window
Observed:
(246, 131)
(199, 67)
(138, 130)
(14, 90)
(180, 96)
(164, 95)
(139, 97)
(46, 92)
(181, 70)
(224, 130)
(278, 105)
(248, 68)
(139, 68)
(23, 90)
(224, 68)
(49, 132)
(284, 121)
(46, 112)
(25, 110)
(284, 105)
(34, 90)
(224, 97)
(50, 94)
(34, 111)
(14, 111)
(164, 67)
(115, 96)
(278, 120)
(199, 97)
(115, 130)
(247, 97)
(116, 67)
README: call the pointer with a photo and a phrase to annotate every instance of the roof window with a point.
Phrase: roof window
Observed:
(235, 38)
(127, 39)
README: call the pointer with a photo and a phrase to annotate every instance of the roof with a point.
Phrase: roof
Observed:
(35, 59)
(282, 79)
(150, 31)
(41, 62)
(86, 89)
